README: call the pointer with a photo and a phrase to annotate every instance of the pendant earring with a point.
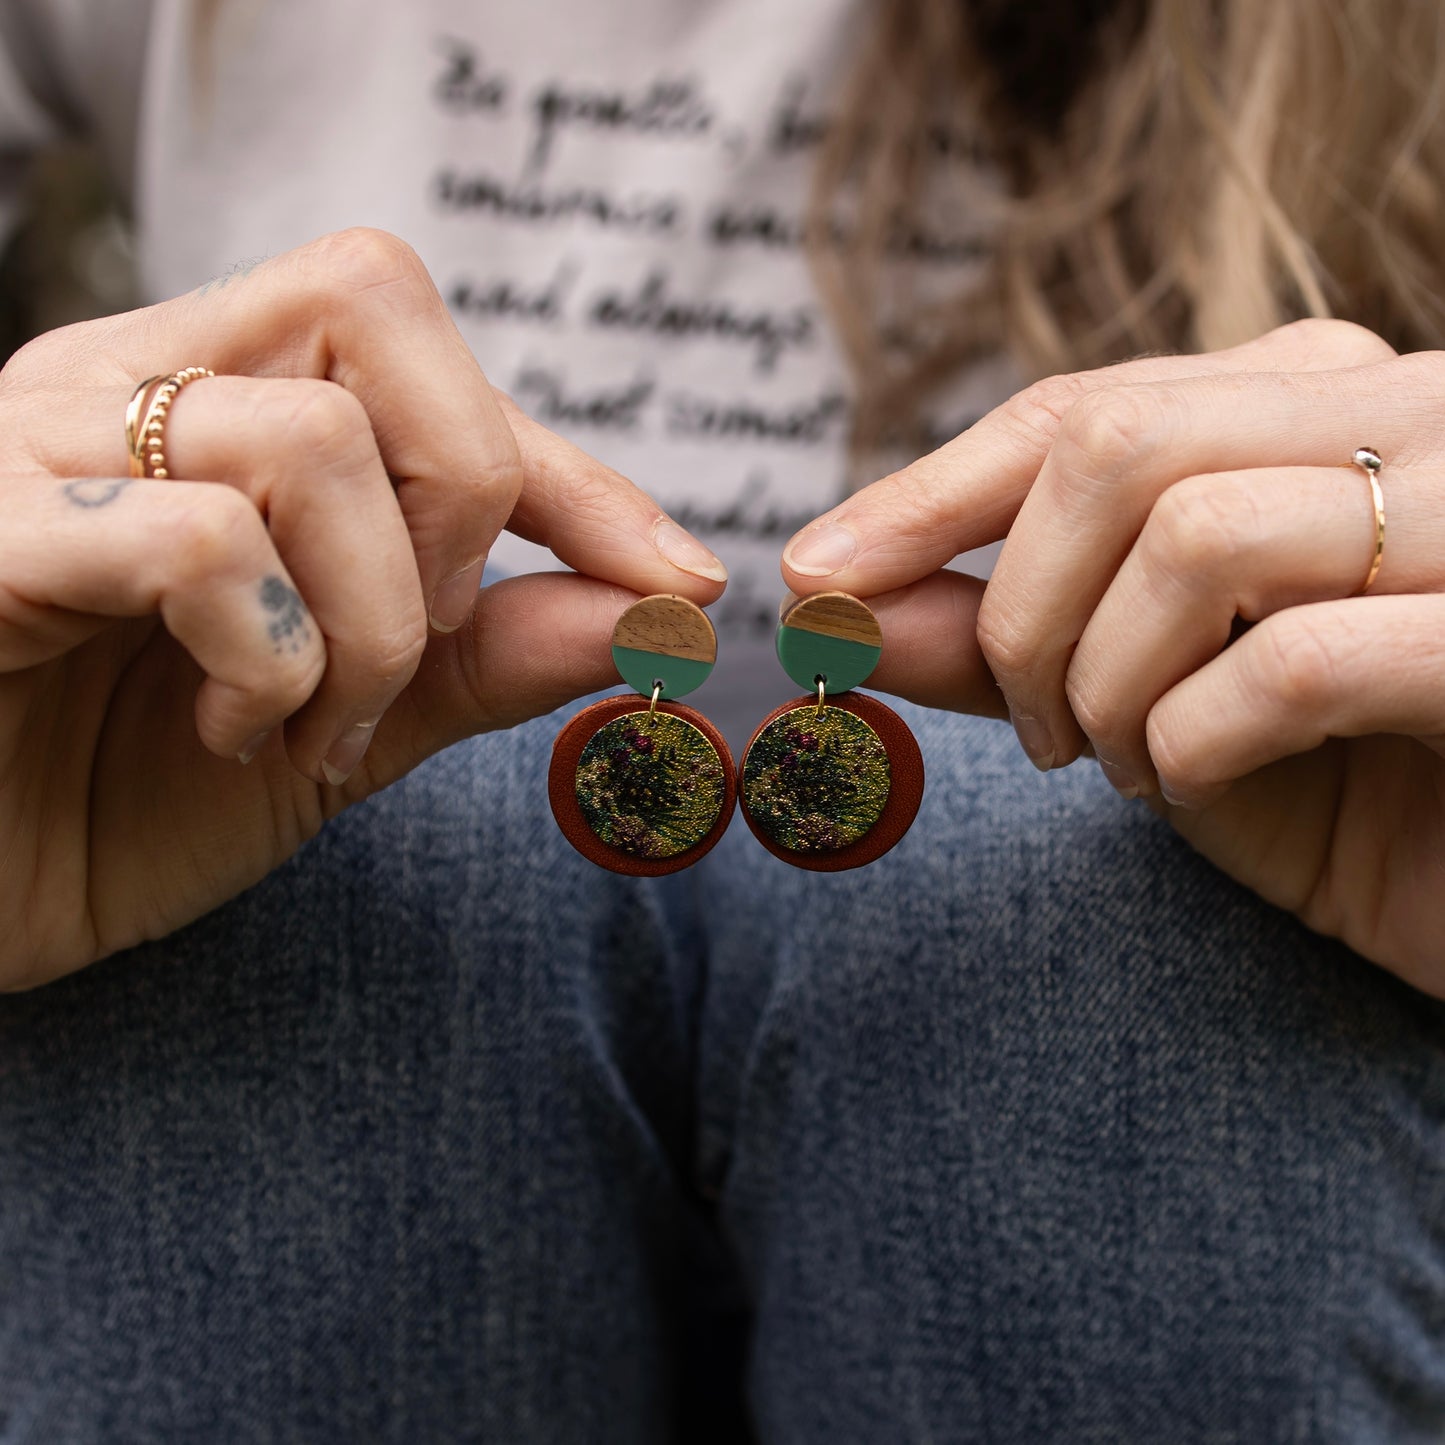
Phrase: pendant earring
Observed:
(639, 784)
(832, 780)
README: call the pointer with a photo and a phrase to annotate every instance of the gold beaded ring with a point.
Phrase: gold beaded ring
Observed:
(145, 440)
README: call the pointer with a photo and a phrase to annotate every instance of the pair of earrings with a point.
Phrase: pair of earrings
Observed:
(832, 780)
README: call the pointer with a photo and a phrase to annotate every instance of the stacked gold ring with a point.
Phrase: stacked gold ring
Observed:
(145, 436)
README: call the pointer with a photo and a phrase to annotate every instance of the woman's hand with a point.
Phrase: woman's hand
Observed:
(307, 595)
(1150, 509)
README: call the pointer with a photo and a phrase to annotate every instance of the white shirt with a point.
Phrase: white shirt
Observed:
(607, 195)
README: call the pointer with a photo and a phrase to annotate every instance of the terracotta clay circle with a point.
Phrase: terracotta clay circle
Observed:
(904, 797)
(562, 788)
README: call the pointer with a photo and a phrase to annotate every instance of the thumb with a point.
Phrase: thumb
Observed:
(532, 644)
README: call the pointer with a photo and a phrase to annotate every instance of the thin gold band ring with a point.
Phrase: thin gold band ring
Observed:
(133, 426)
(1368, 461)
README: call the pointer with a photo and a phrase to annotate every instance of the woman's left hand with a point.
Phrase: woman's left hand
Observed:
(1151, 508)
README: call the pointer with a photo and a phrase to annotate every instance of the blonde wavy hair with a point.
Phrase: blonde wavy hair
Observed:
(1163, 175)
(1175, 175)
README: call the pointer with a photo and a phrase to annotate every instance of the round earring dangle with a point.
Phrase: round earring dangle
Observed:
(832, 780)
(640, 784)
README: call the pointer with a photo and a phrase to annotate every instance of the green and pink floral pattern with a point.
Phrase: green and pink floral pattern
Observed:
(816, 782)
(650, 785)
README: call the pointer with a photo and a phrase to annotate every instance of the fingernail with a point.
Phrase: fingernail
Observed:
(1037, 743)
(253, 747)
(825, 549)
(454, 599)
(684, 551)
(1170, 796)
(1119, 778)
(347, 751)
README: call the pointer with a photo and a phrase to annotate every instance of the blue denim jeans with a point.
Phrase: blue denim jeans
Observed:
(1039, 1130)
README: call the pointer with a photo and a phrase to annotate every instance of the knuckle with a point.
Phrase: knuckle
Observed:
(503, 478)
(1037, 412)
(1107, 431)
(1198, 527)
(592, 497)
(1328, 338)
(1297, 665)
(916, 501)
(362, 259)
(1416, 377)
(322, 423)
(1010, 650)
(283, 689)
(214, 529)
(393, 655)
(31, 363)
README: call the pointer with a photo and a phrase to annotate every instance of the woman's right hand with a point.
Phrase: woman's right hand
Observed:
(307, 596)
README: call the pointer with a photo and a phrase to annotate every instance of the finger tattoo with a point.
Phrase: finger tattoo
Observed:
(238, 272)
(92, 492)
(287, 625)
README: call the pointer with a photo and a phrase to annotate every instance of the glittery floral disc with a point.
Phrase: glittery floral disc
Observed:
(816, 783)
(651, 785)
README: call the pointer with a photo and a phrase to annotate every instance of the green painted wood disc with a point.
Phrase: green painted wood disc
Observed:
(664, 639)
(829, 635)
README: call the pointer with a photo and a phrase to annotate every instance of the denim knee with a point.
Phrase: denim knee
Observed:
(1042, 1128)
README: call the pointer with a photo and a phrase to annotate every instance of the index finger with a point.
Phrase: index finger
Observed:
(600, 524)
(968, 492)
